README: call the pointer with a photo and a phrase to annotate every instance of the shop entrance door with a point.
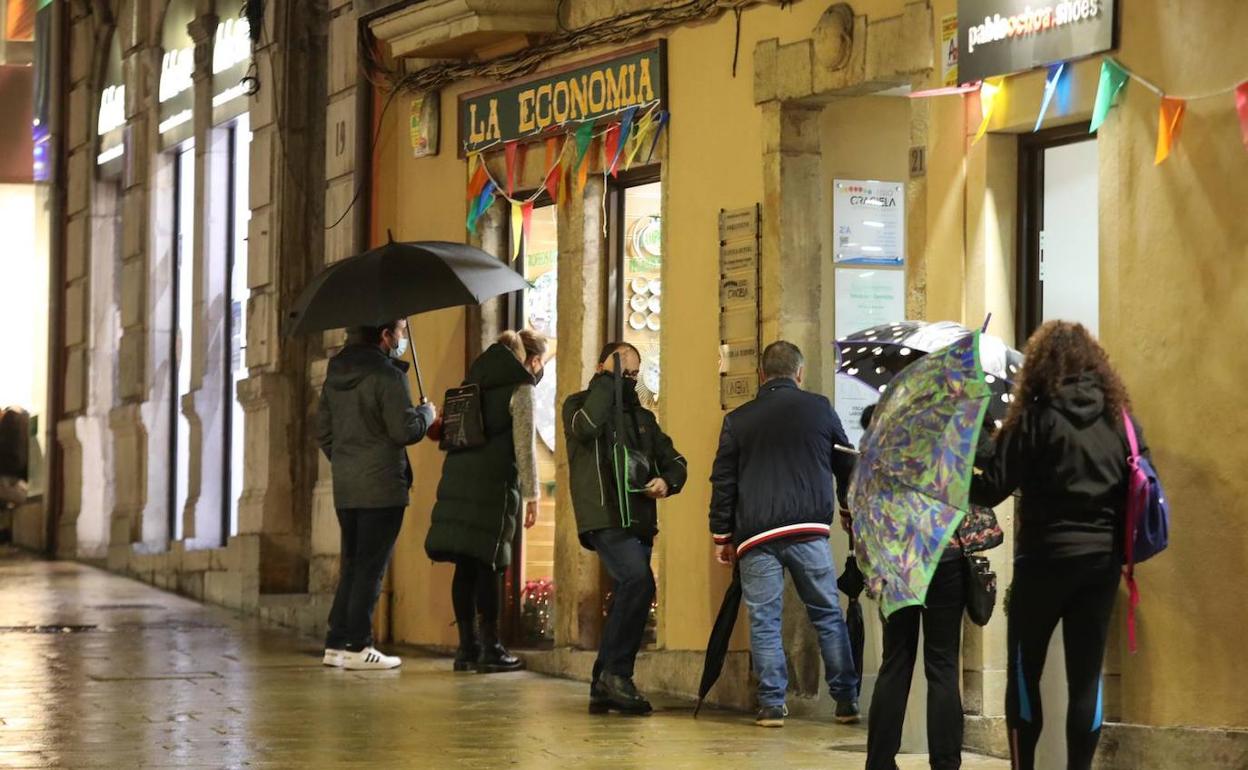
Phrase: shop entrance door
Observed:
(1060, 257)
(1059, 279)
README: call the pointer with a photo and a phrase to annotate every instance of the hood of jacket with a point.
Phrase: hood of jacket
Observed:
(356, 362)
(1081, 398)
(498, 367)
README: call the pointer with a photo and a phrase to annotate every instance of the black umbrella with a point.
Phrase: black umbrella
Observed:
(398, 280)
(721, 632)
(852, 582)
(874, 356)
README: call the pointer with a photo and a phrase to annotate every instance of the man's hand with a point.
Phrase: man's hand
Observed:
(530, 514)
(847, 521)
(726, 554)
(656, 489)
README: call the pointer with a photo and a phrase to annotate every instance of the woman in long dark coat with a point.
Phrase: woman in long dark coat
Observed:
(480, 495)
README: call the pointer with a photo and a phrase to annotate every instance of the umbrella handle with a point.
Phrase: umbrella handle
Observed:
(411, 348)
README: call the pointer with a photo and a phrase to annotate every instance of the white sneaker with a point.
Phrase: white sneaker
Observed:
(369, 659)
(334, 658)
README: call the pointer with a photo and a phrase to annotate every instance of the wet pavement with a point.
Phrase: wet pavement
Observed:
(97, 671)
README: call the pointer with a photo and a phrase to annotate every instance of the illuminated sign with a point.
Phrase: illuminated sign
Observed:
(110, 125)
(231, 56)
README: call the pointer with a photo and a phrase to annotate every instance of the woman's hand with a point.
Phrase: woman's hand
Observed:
(530, 514)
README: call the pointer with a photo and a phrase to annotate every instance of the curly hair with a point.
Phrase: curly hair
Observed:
(1057, 351)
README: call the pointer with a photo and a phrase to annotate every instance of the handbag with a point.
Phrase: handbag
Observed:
(981, 589)
(979, 531)
(463, 423)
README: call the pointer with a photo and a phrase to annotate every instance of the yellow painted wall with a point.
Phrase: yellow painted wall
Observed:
(1174, 289)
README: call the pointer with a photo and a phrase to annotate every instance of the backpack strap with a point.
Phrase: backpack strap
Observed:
(1131, 524)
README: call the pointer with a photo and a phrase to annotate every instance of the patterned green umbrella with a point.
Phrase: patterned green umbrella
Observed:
(910, 487)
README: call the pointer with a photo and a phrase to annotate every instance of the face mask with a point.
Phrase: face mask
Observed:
(397, 353)
(540, 374)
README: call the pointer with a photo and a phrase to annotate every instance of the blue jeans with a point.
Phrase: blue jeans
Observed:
(762, 587)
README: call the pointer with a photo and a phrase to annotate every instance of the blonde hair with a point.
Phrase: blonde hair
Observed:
(524, 344)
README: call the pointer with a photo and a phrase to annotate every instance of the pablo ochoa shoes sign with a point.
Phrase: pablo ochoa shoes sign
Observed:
(999, 37)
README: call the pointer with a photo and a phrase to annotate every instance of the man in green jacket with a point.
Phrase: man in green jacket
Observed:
(365, 422)
(620, 527)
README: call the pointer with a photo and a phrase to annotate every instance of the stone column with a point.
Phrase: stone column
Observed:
(581, 321)
(284, 248)
(80, 172)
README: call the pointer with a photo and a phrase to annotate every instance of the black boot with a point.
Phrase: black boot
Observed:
(598, 701)
(494, 656)
(466, 657)
(621, 694)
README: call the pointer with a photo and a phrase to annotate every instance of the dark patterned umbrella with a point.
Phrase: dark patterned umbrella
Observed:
(874, 356)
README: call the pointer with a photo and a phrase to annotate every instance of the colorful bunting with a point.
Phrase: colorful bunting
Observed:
(1169, 121)
(1241, 106)
(477, 179)
(584, 135)
(1113, 78)
(479, 205)
(1050, 87)
(988, 91)
(582, 175)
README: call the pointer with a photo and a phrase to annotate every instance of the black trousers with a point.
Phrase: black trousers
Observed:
(1080, 592)
(368, 536)
(475, 589)
(627, 560)
(942, 643)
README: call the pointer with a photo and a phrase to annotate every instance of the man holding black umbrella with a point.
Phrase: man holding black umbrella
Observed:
(772, 505)
(365, 423)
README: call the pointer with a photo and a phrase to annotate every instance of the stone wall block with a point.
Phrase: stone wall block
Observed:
(340, 136)
(766, 54)
(76, 248)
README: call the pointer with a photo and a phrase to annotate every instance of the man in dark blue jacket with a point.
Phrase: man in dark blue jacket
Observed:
(772, 505)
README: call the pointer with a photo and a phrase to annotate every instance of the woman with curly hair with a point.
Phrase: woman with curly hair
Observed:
(1062, 445)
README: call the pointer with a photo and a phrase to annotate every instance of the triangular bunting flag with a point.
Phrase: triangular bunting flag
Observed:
(554, 170)
(1113, 78)
(479, 205)
(988, 91)
(660, 122)
(509, 150)
(1241, 106)
(610, 148)
(584, 135)
(526, 216)
(474, 159)
(640, 137)
(1169, 121)
(626, 130)
(582, 174)
(517, 229)
(1050, 87)
(477, 183)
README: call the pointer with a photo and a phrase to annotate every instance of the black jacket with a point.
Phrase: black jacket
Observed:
(588, 419)
(1068, 457)
(364, 424)
(773, 473)
(478, 505)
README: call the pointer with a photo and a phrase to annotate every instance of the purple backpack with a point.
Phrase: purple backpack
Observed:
(1147, 531)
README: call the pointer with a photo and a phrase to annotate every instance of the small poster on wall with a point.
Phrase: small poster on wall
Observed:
(424, 124)
(864, 298)
(869, 222)
(949, 49)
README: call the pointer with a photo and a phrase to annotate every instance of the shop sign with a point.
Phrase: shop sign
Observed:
(869, 218)
(739, 351)
(949, 50)
(999, 37)
(426, 115)
(110, 125)
(230, 59)
(586, 91)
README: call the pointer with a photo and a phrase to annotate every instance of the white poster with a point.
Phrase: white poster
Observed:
(869, 222)
(864, 298)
